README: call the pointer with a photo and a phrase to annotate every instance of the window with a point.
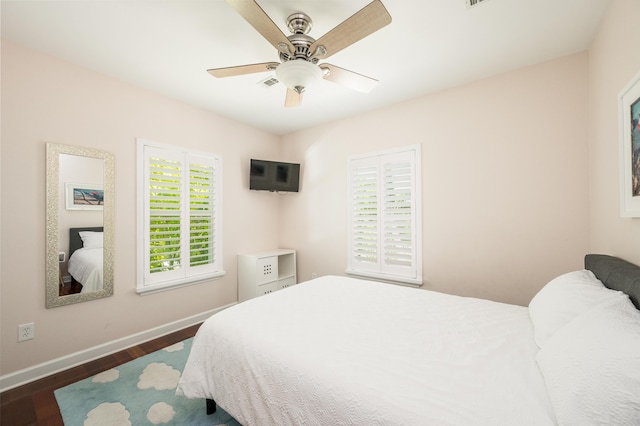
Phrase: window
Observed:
(179, 216)
(385, 233)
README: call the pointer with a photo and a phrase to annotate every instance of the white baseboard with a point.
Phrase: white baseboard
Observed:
(39, 371)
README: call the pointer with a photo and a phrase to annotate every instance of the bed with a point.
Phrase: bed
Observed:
(337, 350)
(86, 264)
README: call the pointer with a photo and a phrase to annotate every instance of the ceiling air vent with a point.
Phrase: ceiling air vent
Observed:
(268, 82)
(472, 3)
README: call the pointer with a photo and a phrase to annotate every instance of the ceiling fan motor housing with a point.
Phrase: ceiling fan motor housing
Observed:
(299, 24)
(301, 43)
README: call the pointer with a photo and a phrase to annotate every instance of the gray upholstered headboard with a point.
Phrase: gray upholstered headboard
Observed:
(75, 242)
(616, 274)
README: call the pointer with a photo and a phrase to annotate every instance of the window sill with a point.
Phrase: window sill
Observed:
(185, 282)
(413, 282)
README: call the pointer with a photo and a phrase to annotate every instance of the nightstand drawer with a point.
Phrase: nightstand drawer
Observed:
(267, 288)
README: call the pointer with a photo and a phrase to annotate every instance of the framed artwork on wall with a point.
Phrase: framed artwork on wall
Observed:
(84, 196)
(629, 112)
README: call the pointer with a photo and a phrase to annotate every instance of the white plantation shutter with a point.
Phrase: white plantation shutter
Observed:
(365, 217)
(202, 212)
(385, 234)
(398, 223)
(164, 218)
(179, 215)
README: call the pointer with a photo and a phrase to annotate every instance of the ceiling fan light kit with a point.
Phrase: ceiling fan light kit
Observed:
(299, 53)
(298, 74)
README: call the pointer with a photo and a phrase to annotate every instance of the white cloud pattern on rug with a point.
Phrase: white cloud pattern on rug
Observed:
(159, 376)
(160, 413)
(108, 413)
(175, 348)
(106, 376)
(135, 393)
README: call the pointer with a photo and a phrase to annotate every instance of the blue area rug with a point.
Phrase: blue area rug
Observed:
(140, 392)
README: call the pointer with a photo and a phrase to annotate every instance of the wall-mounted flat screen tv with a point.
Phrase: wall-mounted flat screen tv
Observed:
(274, 176)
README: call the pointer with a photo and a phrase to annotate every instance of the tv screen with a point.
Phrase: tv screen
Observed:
(274, 176)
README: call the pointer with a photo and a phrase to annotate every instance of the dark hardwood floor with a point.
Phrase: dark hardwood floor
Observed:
(35, 404)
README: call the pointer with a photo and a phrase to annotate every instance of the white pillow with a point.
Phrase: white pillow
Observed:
(564, 298)
(592, 367)
(91, 239)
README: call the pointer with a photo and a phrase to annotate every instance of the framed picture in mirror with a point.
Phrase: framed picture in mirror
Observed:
(84, 196)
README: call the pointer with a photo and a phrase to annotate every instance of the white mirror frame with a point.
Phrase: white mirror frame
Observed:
(52, 294)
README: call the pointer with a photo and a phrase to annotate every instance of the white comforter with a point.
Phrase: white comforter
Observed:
(337, 350)
(86, 266)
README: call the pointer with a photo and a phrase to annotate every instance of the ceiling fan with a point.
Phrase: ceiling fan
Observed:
(299, 53)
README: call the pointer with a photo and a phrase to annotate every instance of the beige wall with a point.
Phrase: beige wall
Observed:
(614, 61)
(46, 100)
(504, 181)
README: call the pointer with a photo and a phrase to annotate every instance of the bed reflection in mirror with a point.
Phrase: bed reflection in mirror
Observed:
(79, 224)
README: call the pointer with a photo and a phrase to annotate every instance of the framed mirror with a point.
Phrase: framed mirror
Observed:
(79, 222)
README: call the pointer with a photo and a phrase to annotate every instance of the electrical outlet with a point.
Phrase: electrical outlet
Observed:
(314, 275)
(26, 332)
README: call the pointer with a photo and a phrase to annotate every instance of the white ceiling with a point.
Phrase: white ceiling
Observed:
(167, 46)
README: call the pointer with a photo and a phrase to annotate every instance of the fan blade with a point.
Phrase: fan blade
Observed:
(254, 15)
(349, 79)
(366, 21)
(293, 99)
(243, 69)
